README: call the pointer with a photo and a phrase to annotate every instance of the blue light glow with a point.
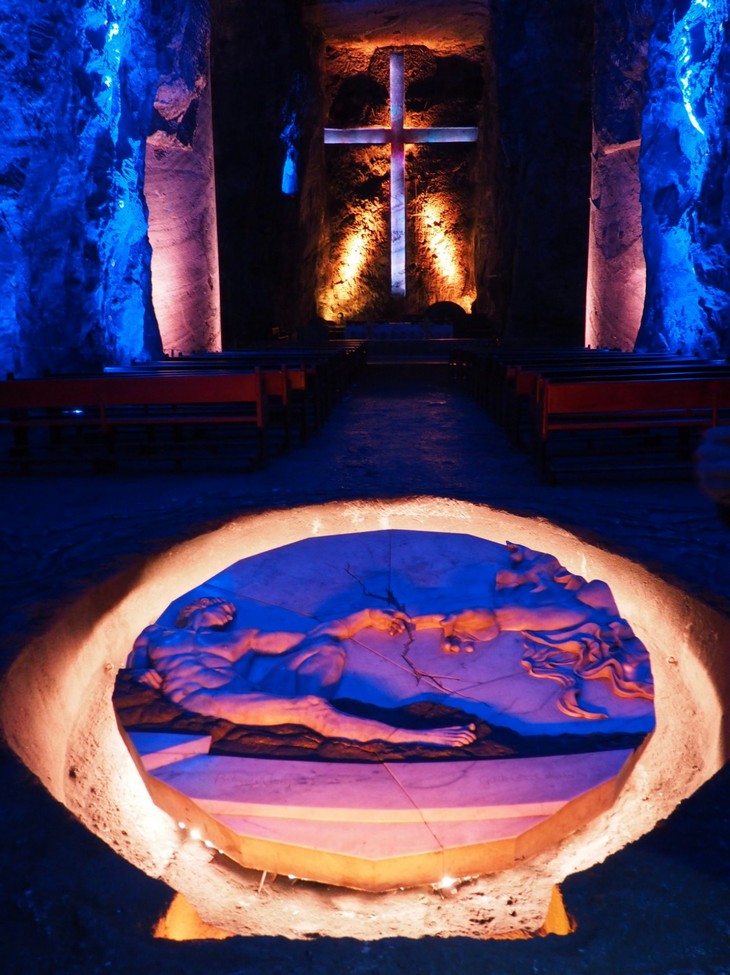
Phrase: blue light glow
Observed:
(290, 135)
(125, 72)
(684, 140)
(79, 81)
(697, 39)
(289, 175)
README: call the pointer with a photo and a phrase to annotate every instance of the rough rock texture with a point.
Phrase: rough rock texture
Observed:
(180, 190)
(684, 177)
(77, 96)
(379, 23)
(84, 85)
(543, 58)
(616, 270)
(265, 103)
(442, 88)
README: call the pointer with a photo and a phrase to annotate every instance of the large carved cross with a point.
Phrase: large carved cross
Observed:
(398, 137)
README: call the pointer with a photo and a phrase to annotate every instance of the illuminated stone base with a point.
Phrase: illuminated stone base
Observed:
(380, 826)
(57, 715)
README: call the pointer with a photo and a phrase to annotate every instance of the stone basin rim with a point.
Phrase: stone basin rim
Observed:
(58, 690)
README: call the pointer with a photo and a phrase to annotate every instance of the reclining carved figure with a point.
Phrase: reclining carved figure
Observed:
(571, 628)
(207, 665)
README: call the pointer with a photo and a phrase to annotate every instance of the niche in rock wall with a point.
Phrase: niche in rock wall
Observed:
(396, 244)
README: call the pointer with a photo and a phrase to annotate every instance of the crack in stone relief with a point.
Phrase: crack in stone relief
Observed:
(464, 652)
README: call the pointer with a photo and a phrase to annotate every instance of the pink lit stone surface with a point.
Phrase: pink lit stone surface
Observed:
(227, 785)
(295, 587)
(429, 818)
(157, 748)
(403, 823)
(403, 792)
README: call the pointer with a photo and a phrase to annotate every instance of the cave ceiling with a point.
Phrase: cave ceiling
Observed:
(448, 27)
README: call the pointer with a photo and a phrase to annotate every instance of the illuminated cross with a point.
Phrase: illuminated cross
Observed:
(399, 137)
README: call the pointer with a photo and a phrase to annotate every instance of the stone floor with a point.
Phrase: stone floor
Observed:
(69, 904)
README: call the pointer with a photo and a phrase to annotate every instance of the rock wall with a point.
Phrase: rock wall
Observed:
(684, 180)
(85, 84)
(180, 190)
(616, 269)
(442, 88)
(77, 85)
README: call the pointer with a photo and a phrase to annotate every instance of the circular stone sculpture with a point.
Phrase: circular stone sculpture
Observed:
(420, 653)
(56, 713)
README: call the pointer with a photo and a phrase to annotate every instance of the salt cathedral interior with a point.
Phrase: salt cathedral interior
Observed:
(364, 464)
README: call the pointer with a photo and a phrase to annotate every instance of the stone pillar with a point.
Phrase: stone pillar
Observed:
(616, 269)
(180, 191)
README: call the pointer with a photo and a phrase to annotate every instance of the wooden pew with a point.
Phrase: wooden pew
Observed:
(109, 402)
(537, 394)
(509, 382)
(651, 403)
(318, 376)
(293, 392)
(512, 381)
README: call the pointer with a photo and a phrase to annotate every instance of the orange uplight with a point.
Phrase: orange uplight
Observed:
(345, 292)
(557, 921)
(351, 262)
(439, 244)
(442, 248)
(183, 923)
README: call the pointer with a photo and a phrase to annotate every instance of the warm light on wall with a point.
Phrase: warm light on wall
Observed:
(442, 248)
(351, 262)
(180, 195)
(187, 315)
(350, 286)
(345, 293)
(377, 168)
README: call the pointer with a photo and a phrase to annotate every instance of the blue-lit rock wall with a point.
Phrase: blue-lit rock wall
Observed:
(78, 81)
(685, 180)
